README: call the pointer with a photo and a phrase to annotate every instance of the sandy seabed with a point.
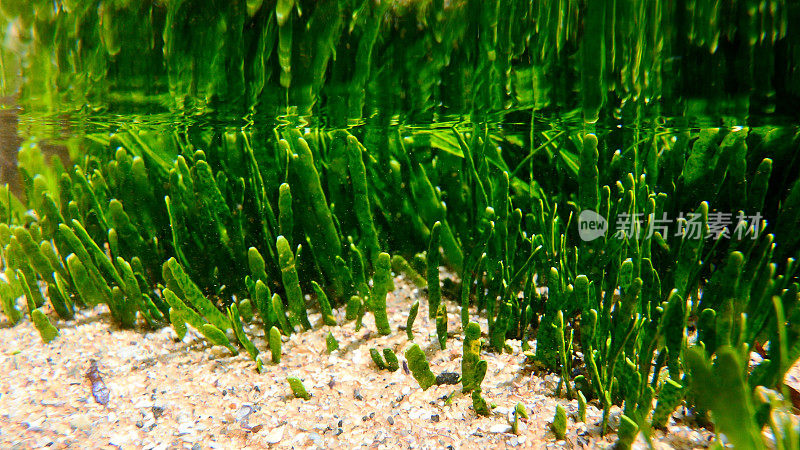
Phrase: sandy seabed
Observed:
(166, 393)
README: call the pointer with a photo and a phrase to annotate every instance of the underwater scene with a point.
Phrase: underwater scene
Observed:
(399, 224)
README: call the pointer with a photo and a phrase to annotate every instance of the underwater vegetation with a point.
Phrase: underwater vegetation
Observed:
(648, 311)
(644, 265)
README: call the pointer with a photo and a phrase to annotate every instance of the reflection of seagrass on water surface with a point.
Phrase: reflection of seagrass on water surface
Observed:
(9, 143)
(11, 134)
(352, 60)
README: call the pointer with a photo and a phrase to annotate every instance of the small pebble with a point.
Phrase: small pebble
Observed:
(157, 411)
(81, 422)
(434, 418)
(275, 435)
(243, 413)
(390, 420)
(316, 439)
(448, 378)
(500, 428)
